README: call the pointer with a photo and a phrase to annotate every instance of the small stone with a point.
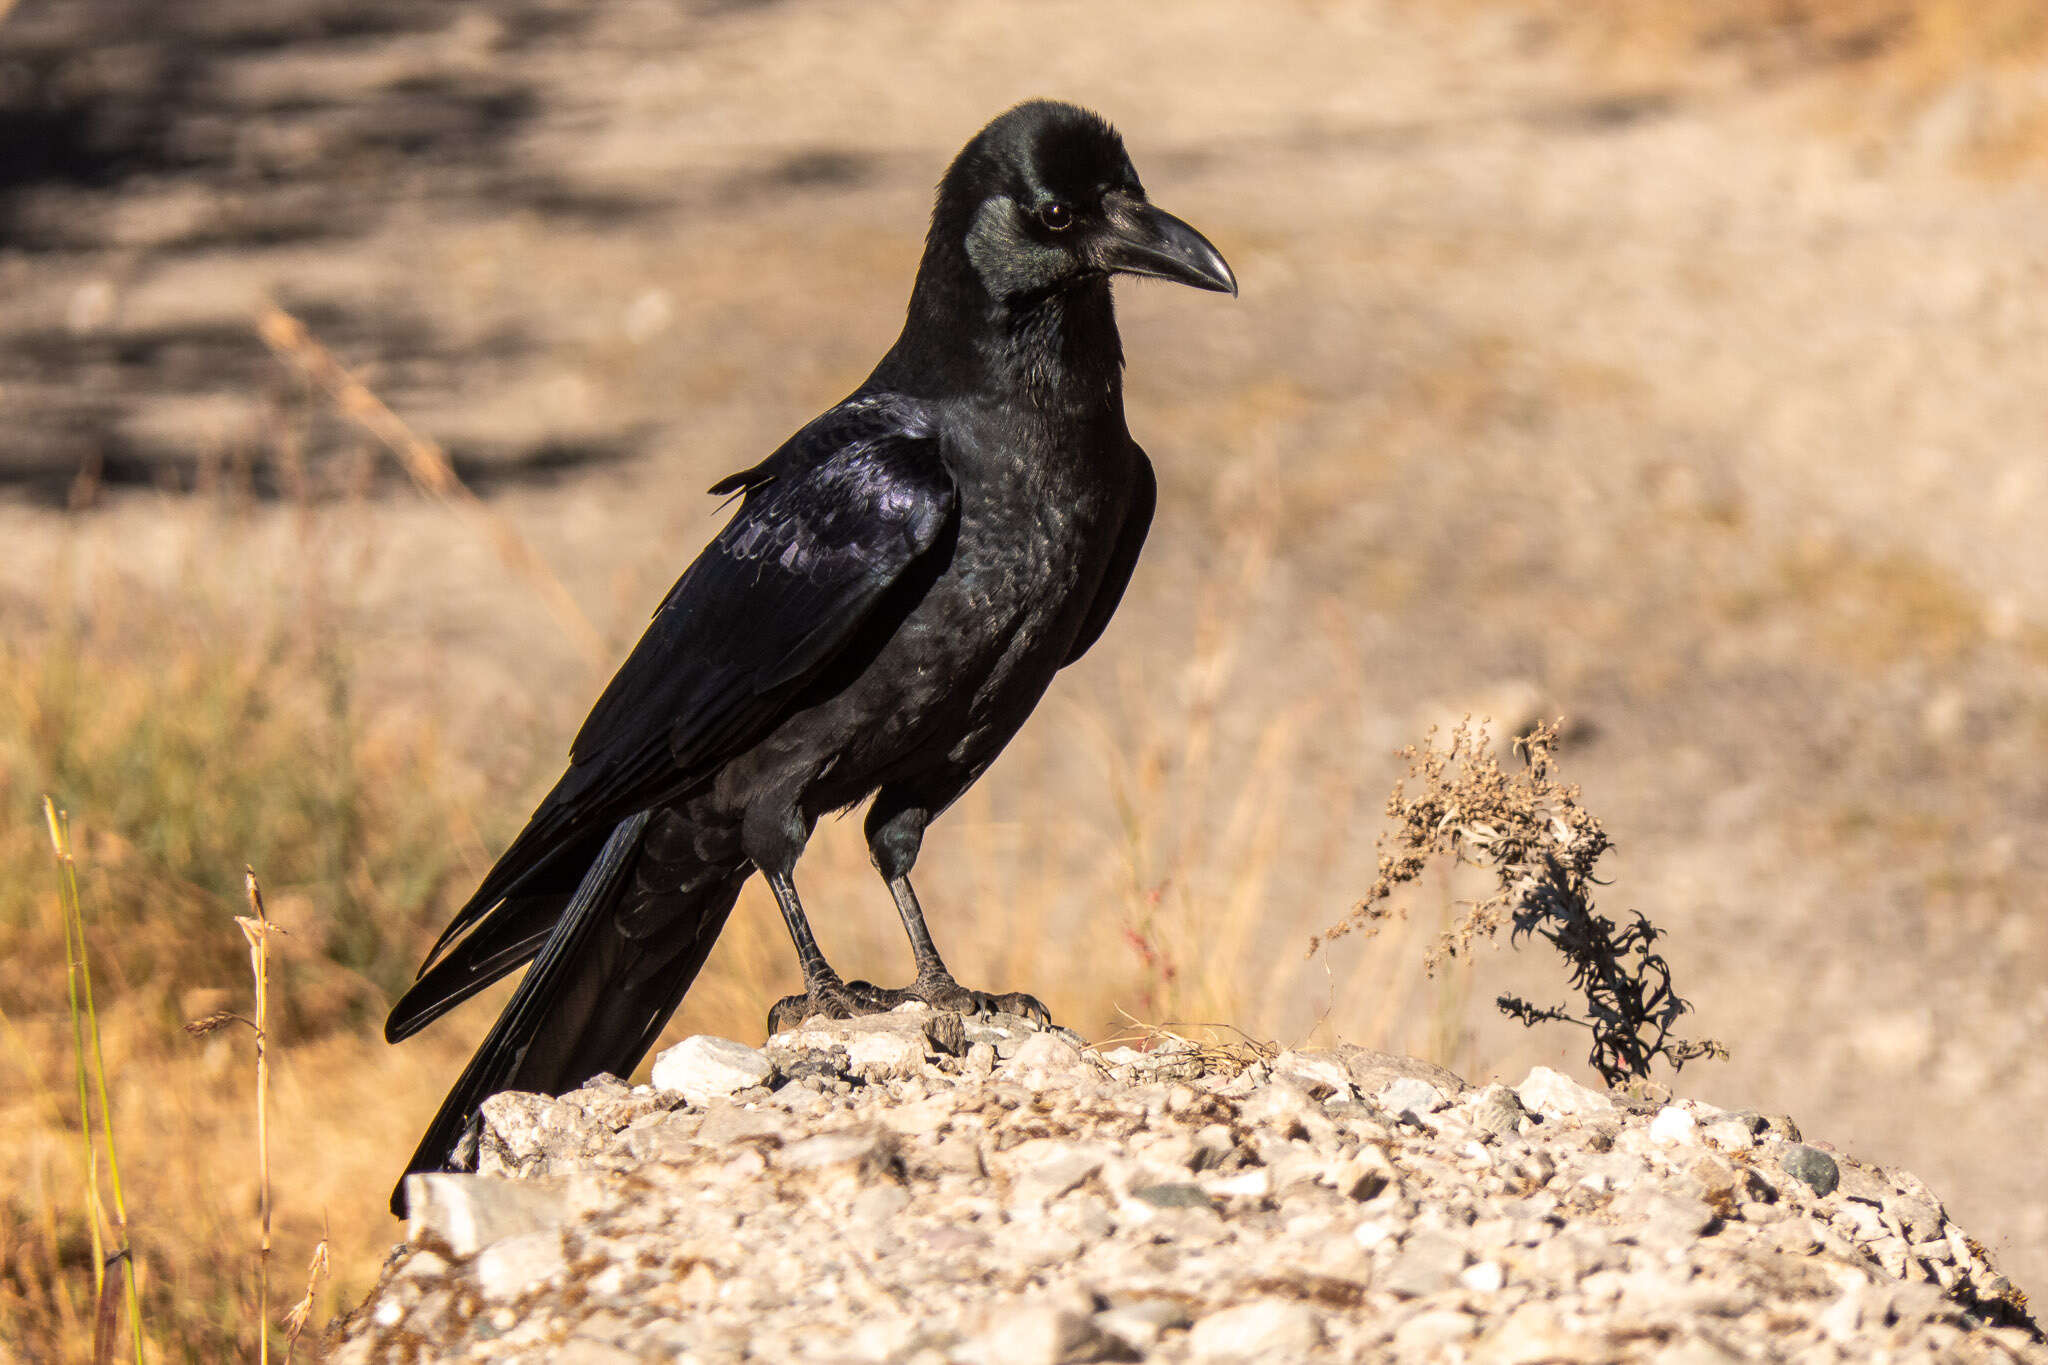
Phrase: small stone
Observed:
(1920, 1217)
(1263, 1329)
(1253, 1183)
(1667, 1222)
(1428, 1263)
(1365, 1175)
(1326, 1077)
(1499, 1111)
(877, 1205)
(469, 1212)
(1409, 1094)
(1373, 1232)
(703, 1067)
(1810, 1165)
(1428, 1334)
(945, 1033)
(1555, 1095)
(868, 1150)
(1729, 1134)
(1047, 1330)
(885, 1055)
(1049, 1167)
(725, 1124)
(1047, 1058)
(1371, 1070)
(511, 1267)
(527, 1134)
(425, 1265)
(1174, 1196)
(1483, 1277)
(1674, 1127)
(1782, 1127)
(1139, 1325)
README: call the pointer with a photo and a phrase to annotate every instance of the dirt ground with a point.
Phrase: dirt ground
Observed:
(1693, 392)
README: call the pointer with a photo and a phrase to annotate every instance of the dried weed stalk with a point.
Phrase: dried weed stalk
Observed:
(1542, 847)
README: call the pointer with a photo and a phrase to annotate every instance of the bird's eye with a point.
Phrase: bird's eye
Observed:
(1056, 215)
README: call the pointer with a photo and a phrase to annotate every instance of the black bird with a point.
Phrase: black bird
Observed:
(902, 580)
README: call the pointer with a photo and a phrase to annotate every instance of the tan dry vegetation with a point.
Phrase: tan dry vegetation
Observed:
(1707, 421)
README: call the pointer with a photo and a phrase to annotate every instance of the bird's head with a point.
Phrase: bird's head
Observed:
(1044, 198)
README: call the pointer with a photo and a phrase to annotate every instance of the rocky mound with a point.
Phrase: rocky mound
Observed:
(922, 1188)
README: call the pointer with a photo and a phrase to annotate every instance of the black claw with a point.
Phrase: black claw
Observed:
(864, 997)
(830, 1002)
(1024, 1007)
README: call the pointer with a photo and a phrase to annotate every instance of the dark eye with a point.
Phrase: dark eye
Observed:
(1056, 216)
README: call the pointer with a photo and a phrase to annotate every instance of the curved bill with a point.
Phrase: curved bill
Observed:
(1144, 240)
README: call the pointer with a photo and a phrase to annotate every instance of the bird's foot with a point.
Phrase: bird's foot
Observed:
(825, 1000)
(944, 993)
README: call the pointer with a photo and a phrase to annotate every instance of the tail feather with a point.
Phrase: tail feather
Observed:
(591, 1002)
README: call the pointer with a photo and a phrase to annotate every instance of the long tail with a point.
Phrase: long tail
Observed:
(609, 975)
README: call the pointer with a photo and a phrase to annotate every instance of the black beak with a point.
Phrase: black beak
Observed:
(1147, 241)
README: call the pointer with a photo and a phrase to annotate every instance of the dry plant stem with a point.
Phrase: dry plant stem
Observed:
(429, 466)
(1543, 849)
(302, 1311)
(85, 1026)
(256, 927)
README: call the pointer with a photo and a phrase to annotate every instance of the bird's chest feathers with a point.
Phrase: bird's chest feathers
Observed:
(1032, 524)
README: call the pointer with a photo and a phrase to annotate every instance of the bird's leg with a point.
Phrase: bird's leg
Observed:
(825, 995)
(935, 985)
(894, 836)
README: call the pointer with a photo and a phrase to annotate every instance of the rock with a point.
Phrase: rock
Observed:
(1410, 1094)
(1174, 1197)
(726, 1124)
(1428, 1334)
(1730, 1134)
(885, 1056)
(1266, 1329)
(529, 1134)
(1139, 1325)
(466, 1213)
(1428, 1263)
(1047, 1330)
(1483, 1277)
(1816, 1168)
(1322, 1074)
(945, 1034)
(1370, 1071)
(1047, 1059)
(1047, 1168)
(1499, 1111)
(701, 1068)
(915, 1209)
(867, 1151)
(1674, 1127)
(514, 1266)
(1555, 1095)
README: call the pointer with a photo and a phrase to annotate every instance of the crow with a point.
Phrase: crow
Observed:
(898, 587)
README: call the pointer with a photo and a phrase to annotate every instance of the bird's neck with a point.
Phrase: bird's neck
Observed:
(1058, 350)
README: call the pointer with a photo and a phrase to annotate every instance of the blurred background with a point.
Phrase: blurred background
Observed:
(1676, 368)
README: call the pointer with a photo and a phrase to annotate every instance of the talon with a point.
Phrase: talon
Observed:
(829, 1002)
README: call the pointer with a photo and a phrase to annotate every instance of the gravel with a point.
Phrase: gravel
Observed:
(924, 1189)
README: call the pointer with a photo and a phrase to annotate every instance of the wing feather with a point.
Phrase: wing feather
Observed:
(826, 527)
